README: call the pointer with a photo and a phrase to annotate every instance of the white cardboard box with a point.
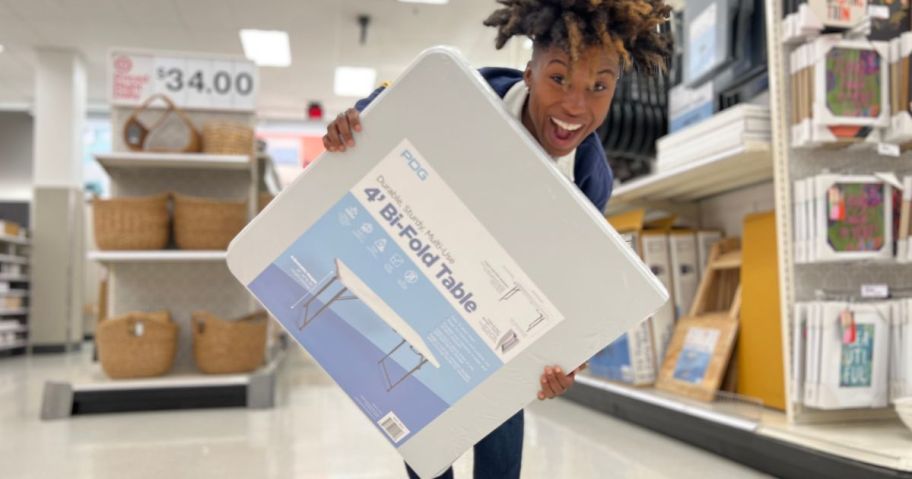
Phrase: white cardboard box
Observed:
(447, 251)
(685, 274)
(656, 257)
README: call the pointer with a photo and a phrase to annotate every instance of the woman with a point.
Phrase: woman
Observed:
(580, 48)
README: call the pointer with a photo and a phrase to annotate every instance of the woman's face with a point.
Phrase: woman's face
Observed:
(566, 105)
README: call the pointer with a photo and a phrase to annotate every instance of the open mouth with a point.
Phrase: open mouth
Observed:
(564, 134)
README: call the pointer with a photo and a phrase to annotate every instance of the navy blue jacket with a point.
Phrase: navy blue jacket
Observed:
(591, 171)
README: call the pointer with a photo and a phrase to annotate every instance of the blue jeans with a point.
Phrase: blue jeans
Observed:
(498, 455)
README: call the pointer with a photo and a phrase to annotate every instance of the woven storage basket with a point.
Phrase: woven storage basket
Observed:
(139, 223)
(225, 138)
(203, 223)
(137, 345)
(223, 347)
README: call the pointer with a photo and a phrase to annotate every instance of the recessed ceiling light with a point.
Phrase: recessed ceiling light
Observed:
(354, 81)
(430, 2)
(266, 48)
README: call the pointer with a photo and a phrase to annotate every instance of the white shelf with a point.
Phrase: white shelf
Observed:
(6, 258)
(160, 256)
(657, 398)
(15, 345)
(14, 240)
(99, 382)
(172, 160)
(13, 328)
(13, 312)
(14, 293)
(20, 278)
(884, 443)
(742, 166)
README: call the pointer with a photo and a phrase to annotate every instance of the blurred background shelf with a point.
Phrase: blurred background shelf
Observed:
(12, 259)
(745, 165)
(161, 256)
(110, 161)
(16, 240)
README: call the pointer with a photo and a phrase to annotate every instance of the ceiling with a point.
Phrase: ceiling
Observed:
(324, 34)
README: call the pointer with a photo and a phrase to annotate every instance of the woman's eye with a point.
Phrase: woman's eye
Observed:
(558, 79)
(599, 87)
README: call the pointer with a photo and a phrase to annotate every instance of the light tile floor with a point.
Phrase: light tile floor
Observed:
(314, 432)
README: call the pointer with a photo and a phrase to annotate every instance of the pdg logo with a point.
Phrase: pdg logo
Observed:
(414, 164)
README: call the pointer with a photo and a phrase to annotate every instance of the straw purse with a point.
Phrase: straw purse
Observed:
(136, 134)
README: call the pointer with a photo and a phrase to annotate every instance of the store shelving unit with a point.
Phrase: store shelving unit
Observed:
(180, 281)
(800, 442)
(14, 294)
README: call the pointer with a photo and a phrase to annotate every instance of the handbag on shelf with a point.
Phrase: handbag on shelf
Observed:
(185, 138)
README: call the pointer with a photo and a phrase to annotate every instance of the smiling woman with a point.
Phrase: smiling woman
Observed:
(580, 49)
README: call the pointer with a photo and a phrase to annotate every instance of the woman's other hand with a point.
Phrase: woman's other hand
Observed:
(340, 135)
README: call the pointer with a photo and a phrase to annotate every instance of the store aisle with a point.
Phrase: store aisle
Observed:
(315, 432)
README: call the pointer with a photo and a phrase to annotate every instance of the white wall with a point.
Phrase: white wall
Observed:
(16, 130)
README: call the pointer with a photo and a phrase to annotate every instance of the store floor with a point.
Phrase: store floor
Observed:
(314, 432)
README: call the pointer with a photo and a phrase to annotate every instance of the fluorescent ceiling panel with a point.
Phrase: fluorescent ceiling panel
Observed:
(354, 81)
(267, 48)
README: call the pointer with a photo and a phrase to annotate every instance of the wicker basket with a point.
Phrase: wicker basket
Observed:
(137, 345)
(224, 347)
(139, 223)
(225, 138)
(202, 223)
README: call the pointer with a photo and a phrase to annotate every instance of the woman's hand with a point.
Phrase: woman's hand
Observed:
(555, 383)
(340, 134)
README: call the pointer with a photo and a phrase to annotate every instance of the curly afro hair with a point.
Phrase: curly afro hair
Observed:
(631, 27)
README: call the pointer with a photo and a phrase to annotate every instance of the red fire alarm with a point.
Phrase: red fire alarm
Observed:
(315, 111)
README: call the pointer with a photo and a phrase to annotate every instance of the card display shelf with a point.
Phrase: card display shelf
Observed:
(14, 278)
(745, 165)
(13, 328)
(109, 161)
(759, 437)
(14, 293)
(15, 345)
(14, 312)
(16, 240)
(12, 259)
(161, 256)
(884, 443)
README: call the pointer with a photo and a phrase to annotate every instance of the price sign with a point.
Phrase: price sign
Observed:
(192, 82)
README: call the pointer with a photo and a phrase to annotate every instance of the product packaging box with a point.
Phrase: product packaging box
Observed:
(631, 358)
(439, 266)
(682, 247)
